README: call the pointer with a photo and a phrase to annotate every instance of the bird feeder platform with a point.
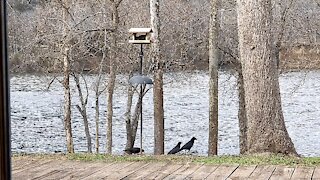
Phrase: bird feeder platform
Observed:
(140, 35)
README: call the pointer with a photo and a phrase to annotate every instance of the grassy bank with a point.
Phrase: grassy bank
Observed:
(241, 160)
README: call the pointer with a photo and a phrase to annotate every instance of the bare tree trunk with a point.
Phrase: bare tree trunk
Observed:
(266, 128)
(97, 120)
(67, 103)
(130, 141)
(110, 90)
(213, 82)
(135, 120)
(112, 73)
(66, 85)
(83, 111)
(98, 92)
(97, 107)
(243, 125)
(132, 121)
(158, 79)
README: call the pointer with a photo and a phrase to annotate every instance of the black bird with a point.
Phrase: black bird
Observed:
(188, 145)
(133, 150)
(175, 149)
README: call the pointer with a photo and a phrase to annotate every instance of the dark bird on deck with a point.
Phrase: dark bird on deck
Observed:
(188, 145)
(175, 149)
(133, 150)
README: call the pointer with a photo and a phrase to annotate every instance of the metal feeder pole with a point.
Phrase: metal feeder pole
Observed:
(141, 94)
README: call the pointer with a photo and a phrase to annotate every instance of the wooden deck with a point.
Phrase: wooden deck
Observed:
(25, 169)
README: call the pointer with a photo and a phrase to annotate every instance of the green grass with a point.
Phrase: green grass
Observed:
(215, 160)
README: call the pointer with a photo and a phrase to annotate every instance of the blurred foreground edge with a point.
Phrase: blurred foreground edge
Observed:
(5, 147)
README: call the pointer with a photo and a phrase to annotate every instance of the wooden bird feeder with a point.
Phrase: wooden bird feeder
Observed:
(140, 35)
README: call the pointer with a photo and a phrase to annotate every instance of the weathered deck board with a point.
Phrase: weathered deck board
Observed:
(70, 171)
(145, 172)
(22, 164)
(242, 172)
(46, 170)
(41, 169)
(54, 167)
(28, 166)
(202, 172)
(164, 171)
(316, 173)
(302, 172)
(183, 172)
(282, 172)
(105, 171)
(35, 170)
(127, 170)
(262, 172)
(222, 172)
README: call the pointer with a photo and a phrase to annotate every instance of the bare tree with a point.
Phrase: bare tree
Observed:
(132, 119)
(266, 127)
(112, 70)
(158, 79)
(83, 108)
(129, 126)
(213, 82)
(66, 79)
(98, 92)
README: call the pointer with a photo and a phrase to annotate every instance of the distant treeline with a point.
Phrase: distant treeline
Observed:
(35, 33)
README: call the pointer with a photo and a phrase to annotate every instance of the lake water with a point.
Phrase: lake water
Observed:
(37, 113)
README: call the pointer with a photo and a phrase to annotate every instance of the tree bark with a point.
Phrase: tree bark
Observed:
(66, 84)
(130, 140)
(243, 124)
(97, 120)
(83, 111)
(266, 127)
(112, 72)
(98, 92)
(158, 79)
(67, 103)
(110, 90)
(213, 82)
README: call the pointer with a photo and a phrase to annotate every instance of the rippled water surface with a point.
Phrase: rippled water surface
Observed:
(37, 113)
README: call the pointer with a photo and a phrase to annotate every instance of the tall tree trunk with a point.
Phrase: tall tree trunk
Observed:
(112, 71)
(66, 85)
(110, 90)
(213, 82)
(98, 92)
(67, 103)
(266, 127)
(158, 79)
(130, 141)
(243, 125)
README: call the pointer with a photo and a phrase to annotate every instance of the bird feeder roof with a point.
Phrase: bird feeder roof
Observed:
(140, 30)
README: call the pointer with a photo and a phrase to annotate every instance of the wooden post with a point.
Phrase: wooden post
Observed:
(5, 153)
